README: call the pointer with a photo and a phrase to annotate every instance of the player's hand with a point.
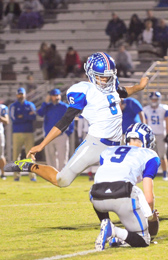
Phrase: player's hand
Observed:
(144, 82)
(20, 116)
(32, 152)
(155, 216)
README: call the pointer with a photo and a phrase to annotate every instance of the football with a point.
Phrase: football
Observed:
(153, 226)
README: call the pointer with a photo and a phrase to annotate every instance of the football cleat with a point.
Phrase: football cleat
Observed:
(3, 177)
(116, 242)
(34, 179)
(106, 233)
(18, 166)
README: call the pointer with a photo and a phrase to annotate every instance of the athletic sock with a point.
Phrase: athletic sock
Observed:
(164, 174)
(121, 233)
(29, 167)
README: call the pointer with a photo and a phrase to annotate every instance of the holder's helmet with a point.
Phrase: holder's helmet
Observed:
(142, 132)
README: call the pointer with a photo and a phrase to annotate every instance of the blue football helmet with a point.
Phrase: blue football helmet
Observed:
(99, 65)
(142, 132)
(155, 98)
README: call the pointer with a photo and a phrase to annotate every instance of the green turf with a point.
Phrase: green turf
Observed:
(39, 220)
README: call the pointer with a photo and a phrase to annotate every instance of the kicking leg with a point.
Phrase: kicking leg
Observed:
(48, 173)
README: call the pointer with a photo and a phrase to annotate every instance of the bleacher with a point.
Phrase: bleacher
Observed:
(81, 25)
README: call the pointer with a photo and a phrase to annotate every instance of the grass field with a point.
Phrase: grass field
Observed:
(41, 221)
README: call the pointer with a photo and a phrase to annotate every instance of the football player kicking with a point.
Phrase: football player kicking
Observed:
(114, 188)
(98, 100)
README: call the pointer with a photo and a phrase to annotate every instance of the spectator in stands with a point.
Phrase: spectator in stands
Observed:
(1, 10)
(30, 85)
(31, 16)
(22, 114)
(57, 152)
(123, 62)
(72, 63)
(43, 63)
(132, 112)
(148, 34)
(161, 36)
(55, 63)
(116, 29)
(50, 4)
(152, 18)
(162, 3)
(4, 120)
(136, 27)
(12, 13)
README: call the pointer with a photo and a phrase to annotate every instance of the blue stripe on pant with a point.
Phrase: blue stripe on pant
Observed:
(137, 216)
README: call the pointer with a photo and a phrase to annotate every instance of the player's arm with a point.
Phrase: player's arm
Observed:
(142, 117)
(4, 118)
(149, 173)
(133, 89)
(148, 191)
(60, 127)
(166, 120)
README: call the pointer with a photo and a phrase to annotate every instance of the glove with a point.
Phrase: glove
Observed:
(166, 139)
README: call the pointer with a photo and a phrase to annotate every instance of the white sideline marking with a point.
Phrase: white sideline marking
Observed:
(35, 204)
(70, 255)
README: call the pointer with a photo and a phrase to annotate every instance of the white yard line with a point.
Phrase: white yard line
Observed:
(68, 256)
(35, 204)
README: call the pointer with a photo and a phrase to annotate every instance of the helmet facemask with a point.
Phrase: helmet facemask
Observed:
(155, 102)
(98, 67)
(104, 87)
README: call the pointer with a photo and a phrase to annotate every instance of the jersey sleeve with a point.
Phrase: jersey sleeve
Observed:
(166, 113)
(76, 96)
(151, 168)
(4, 111)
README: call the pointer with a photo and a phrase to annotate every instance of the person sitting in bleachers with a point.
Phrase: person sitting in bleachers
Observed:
(55, 63)
(161, 36)
(152, 18)
(116, 29)
(72, 63)
(148, 48)
(123, 61)
(42, 56)
(147, 34)
(1, 10)
(31, 17)
(136, 27)
(11, 13)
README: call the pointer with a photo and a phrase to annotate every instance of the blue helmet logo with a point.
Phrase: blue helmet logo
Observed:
(142, 132)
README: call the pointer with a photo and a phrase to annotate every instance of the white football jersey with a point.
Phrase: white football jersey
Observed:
(156, 118)
(127, 163)
(3, 112)
(102, 111)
